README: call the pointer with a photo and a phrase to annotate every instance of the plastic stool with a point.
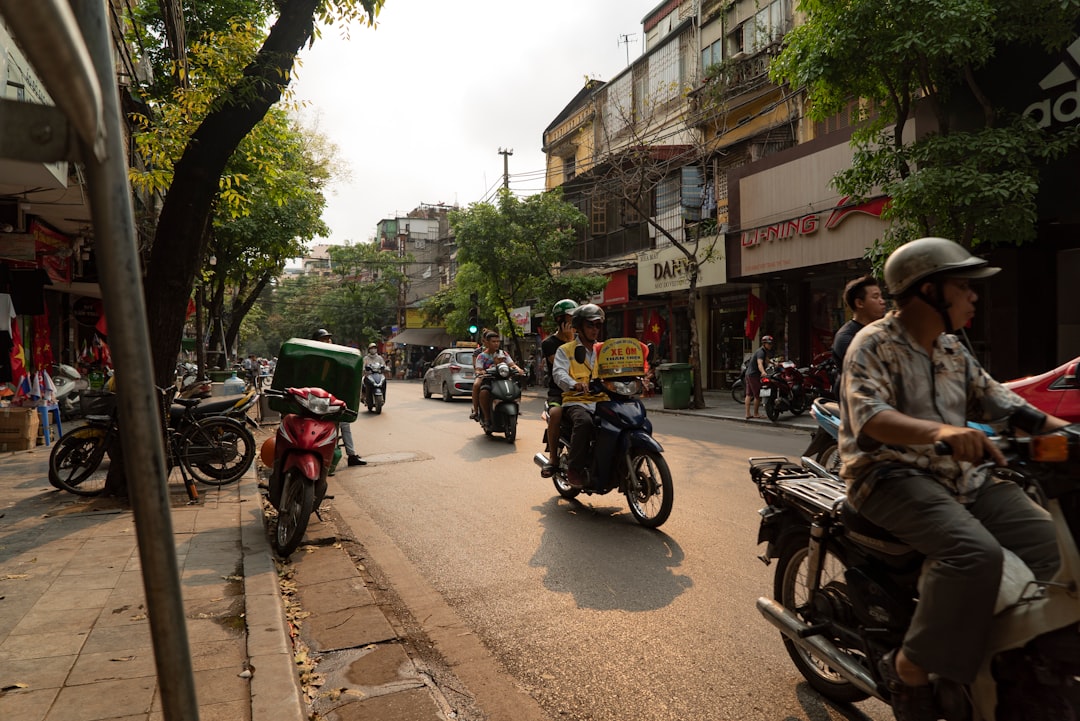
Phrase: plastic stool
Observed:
(54, 409)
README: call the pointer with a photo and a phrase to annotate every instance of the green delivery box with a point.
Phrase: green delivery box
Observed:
(314, 364)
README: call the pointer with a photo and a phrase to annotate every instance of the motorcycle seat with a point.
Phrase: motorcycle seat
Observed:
(829, 407)
(205, 408)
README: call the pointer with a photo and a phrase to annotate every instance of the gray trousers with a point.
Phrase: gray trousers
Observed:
(949, 630)
(346, 438)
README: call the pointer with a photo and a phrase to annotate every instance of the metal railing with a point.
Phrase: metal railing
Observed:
(69, 45)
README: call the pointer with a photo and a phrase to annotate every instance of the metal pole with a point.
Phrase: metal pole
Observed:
(122, 291)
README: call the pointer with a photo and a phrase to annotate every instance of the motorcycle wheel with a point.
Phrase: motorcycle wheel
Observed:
(800, 403)
(511, 429)
(217, 451)
(791, 589)
(75, 462)
(563, 488)
(738, 391)
(378, 405)
(297, 504)
(771, 410)
(829, 458)
(649, 489)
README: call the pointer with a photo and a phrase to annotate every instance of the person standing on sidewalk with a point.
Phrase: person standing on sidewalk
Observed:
(343, 428)
(863, 296)
(754, 371)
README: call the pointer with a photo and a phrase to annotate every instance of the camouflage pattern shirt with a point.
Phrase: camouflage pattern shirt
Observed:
(886, 369)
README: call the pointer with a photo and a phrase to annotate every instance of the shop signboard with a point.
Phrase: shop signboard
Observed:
(667, 269)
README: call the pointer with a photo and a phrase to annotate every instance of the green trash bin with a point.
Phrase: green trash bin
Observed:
(676, 381)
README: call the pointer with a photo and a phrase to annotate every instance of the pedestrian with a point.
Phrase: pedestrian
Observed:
(754, 370)
(863, 296)
(909, 383)
(344, 429)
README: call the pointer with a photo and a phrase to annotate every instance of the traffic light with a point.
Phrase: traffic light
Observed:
(474, 314)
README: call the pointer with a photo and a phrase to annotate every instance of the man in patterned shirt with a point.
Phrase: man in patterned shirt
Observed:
(908, 383)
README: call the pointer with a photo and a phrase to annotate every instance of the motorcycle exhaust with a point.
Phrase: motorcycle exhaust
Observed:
(817, 644)
(540, 459)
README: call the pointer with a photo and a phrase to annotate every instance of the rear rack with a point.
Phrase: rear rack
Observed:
(798, 483)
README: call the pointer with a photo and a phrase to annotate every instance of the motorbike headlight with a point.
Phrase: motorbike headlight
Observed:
(624, 386)
(503, 370)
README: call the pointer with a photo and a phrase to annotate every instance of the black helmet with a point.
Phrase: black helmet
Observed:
(587, 313)
(322, 334)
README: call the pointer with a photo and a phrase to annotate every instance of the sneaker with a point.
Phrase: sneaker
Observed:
(576, 478)
(909, 703)
(355, 460)
(473, 415)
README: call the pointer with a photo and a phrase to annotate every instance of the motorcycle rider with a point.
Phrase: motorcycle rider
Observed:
(563, 314)
(371, 358)
(344, 429)
(574, 366)
(908, 382)
(754, 371)
(863, 296)
(491, 356)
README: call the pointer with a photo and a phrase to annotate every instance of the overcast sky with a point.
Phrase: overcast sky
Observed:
(420, 106)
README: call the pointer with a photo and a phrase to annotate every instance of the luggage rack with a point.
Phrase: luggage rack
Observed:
(794, 480)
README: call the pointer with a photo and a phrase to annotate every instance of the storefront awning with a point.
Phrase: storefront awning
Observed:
(436, 337)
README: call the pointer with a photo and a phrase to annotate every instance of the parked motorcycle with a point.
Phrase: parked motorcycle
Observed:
(189, 384)
(69, 384)
(819, 378)
(505, 390)
(624, 455)
(844, 589)
(300, 456)
(783, 389)
(373, 390)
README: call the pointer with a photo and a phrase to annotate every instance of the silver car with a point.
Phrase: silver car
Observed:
(450, 374)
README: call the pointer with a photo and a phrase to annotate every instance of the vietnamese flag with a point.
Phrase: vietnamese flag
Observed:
(755, 313)
(654, 329)
(18, 355)
(42, 346)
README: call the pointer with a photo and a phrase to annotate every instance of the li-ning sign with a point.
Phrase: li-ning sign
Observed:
(806, 225)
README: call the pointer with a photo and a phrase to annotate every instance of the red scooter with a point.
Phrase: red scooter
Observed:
(783, 390)
(301, 455)
(820, 377)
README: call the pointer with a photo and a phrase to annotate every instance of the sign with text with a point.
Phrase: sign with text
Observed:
(668, 269)
(620, 357)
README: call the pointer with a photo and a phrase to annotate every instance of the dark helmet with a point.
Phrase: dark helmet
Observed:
(322, 334)
(563, 307)
(587, 313)
(914, 262)
(766, 339)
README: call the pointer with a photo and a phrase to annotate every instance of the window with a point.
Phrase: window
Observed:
(770, 23)
(568, 168)
(598, 216)
(712, 55)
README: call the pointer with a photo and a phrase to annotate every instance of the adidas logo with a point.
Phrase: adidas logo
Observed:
(1065, 108)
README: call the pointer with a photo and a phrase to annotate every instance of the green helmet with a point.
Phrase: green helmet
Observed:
(563, 307)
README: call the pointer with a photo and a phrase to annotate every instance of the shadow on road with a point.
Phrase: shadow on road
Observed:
(605, 559)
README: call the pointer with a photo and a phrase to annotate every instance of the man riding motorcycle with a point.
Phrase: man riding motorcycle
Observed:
(907, 384)
(574, 367)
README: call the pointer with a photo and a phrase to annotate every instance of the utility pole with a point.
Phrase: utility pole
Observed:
(506, 166)
(624, 39)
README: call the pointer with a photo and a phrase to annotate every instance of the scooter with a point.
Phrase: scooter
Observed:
(301, 454)
(845, 589)
(505, 389)
(189, 384)
(624, 454)
(783, 390)
(69, 383)
(373, 390)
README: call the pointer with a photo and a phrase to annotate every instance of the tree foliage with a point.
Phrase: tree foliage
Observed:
(509, 252)
(977, 182)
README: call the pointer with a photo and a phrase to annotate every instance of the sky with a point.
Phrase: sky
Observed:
(419, 107)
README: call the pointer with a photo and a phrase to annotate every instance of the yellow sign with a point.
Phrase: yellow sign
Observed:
(620, 357)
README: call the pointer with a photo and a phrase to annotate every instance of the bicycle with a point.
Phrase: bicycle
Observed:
(215, 450)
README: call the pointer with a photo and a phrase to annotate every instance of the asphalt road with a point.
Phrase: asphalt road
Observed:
(551, 609)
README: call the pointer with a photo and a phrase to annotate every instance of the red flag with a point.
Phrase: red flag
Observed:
(190, 308)
(18, 355)
(102, 326)
(755, 313)
(42, 347)
(654, 329)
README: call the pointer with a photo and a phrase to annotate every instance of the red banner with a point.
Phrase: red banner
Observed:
(42, 346)
(755, 313)
(18, 355)
(654, 329)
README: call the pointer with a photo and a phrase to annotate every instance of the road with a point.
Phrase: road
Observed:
(592, 616)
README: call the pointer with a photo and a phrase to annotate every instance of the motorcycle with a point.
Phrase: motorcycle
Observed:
(189, 384)
(623, 454)
(783, 390)
(373, 390)
(300, 456)
(819, 378)
(844, 590)
(505, 390)
(69, 384)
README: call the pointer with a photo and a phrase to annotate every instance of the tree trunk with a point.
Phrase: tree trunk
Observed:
(180, 239)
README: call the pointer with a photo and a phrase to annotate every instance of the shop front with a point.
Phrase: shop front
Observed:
(800, 261)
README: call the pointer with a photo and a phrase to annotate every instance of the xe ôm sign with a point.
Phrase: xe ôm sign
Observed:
(668, 269)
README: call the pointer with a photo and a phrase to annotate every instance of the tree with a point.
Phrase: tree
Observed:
(976, 183)
(182, 234)
(512, 251)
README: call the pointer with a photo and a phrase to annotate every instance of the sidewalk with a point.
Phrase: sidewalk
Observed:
(75, 641)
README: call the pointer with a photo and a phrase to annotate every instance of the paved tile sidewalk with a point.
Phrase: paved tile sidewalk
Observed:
(75, 641)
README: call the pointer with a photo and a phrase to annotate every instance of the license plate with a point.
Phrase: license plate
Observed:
(765, 392)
